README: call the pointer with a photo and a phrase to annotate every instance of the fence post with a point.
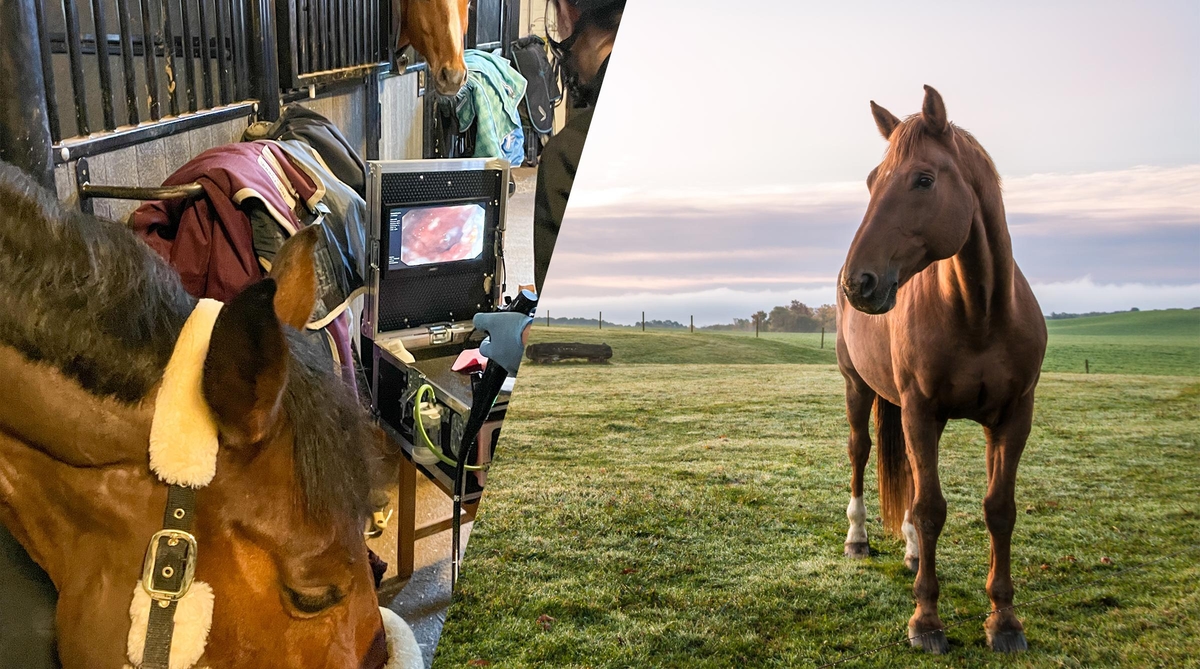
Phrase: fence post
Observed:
(643, 321)
(24, 121)
(264, 59)
(600, 322)
(756, 328)
(547, 318)
(1086, 367)
(822, 336)
(691, 323)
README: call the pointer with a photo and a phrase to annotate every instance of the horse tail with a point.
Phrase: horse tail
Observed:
(895, 475)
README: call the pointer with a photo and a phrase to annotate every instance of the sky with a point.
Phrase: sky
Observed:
(724, 171)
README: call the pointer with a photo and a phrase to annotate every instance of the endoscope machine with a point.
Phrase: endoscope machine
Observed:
(435, 291)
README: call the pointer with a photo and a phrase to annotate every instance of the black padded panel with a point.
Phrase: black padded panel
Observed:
(433, 298)
(406, 188)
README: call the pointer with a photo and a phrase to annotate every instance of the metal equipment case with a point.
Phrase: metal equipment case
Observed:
(423, 305)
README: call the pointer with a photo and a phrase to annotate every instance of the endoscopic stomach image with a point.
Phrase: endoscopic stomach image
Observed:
(431, 235)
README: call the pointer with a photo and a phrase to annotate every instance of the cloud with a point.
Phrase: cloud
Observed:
(1170, 194)
(1134, 227)
(1121, 201)
(1084, 295)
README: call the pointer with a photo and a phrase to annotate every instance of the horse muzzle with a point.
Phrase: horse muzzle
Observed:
(869, 293)
(448, 81)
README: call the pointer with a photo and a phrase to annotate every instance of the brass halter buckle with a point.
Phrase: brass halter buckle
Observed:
(173, 537)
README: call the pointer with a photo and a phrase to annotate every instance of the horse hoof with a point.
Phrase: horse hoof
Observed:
(933, 642)
(858, 549)
(913, 563)
(1007, 641)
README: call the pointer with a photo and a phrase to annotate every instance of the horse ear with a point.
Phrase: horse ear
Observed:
(934, 112)
(884, 119)
(246, 366)
(295, 272)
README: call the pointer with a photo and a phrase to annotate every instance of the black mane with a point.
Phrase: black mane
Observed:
(87, 297)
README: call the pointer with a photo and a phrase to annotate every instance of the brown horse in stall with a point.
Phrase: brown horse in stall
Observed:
(89, 316)
(435, 28)
(943, 326)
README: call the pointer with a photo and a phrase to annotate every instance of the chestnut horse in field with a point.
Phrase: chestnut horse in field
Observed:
(89, 316)
(935, 321)
(436, 29)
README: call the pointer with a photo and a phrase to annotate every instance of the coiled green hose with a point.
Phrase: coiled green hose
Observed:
(420, 425)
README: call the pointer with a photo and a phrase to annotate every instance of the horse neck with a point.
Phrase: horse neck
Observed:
(979, 278)
(72, 463)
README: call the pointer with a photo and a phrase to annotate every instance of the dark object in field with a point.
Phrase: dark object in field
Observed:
(558, 351)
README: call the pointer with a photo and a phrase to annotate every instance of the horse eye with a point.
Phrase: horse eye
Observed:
(924, 182)
(315, 602)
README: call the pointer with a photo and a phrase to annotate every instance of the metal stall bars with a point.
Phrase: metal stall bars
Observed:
(322, 42)
(173, 66)
(186, 63)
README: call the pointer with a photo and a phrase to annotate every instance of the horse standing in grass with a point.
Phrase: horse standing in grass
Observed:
(943, 325)
(435, 28)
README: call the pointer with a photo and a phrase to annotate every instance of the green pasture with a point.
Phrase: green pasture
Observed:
(656, 513)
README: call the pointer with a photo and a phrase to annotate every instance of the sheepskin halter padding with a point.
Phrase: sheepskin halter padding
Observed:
(403, 650)
(183, 451)
(183, 434)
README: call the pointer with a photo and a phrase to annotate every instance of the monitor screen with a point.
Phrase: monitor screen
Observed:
(436, 234)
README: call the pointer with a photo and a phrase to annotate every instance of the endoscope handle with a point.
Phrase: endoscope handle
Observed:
(525, 302)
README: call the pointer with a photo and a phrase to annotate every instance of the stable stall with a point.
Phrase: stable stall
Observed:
(286, 115)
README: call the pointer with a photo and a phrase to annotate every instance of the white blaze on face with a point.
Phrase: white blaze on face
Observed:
(456, 26)
(857, 514)
(910, 536)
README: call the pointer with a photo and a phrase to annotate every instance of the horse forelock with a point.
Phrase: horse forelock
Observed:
(87, 297)
(911, 136)
(333, 435)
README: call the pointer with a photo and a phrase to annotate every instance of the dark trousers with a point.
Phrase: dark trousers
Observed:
(27, 603)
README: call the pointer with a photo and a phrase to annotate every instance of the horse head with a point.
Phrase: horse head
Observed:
(922, 207)
(90, 317)
(435, 28)
(283, 535)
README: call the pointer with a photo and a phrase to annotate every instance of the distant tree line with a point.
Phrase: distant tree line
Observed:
(795, 317)
(1055, 316)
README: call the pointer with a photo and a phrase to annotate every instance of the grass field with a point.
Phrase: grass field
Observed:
(646, 514)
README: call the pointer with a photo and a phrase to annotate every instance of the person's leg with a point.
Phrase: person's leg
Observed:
(27, 605)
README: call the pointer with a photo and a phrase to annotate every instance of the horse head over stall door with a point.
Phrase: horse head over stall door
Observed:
(935, 321)
(89, 317)
(436, 29)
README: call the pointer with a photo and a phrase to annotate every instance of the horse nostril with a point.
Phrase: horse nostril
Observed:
(867, 282)
(451, 78)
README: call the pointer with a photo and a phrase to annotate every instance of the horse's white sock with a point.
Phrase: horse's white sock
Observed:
(910, 536)
(857, 514)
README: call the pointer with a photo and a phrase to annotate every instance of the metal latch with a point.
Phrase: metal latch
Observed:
(440, 334)
(150, 578)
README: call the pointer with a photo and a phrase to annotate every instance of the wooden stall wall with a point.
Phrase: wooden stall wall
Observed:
(402, 118)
